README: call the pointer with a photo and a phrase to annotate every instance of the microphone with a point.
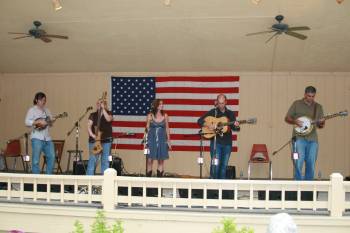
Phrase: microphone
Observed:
(294, 147)
(89, 108)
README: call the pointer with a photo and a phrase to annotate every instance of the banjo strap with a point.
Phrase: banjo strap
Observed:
(314, 115)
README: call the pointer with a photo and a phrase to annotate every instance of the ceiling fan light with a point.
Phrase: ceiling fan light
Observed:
(56, 5)
(339, 1)
(256, 2)
(167, 2)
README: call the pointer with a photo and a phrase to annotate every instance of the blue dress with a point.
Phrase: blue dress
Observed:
(157, 141)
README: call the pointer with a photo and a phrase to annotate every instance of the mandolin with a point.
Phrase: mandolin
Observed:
(221, 125)
(49, 121)
(98, 146)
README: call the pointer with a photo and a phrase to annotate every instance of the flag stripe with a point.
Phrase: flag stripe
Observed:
(192, 107)
(173, 136)
(190, 113)
(197, 102)
(130, 130)
(194, 96)
(175, 142)
(174, 148)
(204, 79)
(217, 90)
(197, 84)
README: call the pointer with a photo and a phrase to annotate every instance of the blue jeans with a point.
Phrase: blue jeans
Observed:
(307, 151)
(47, 147)
(223, 153)
(93, 158)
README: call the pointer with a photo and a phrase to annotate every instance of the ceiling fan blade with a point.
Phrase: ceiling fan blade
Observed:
(18, 33)
(272, 37)
(298, 28)
(56, 36)
(45, 39)
(296, 35)
(20, 37)
(257, 33)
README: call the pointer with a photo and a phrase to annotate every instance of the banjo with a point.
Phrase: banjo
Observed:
(308, 123)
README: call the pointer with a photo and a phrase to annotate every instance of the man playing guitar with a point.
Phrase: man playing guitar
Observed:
(220, 145)
(40, 119)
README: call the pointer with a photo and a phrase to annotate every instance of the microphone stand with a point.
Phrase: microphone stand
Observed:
(76, 127)
(214, 161)
(26, 156)
(294, 153)
(200, 159)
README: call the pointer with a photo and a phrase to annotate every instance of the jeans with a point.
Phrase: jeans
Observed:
(47, 147)
(307, 151)
(93, 158)
(223, 153)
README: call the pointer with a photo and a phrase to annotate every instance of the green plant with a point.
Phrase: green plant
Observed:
(100, 225)
(229, 226)
(79, 228)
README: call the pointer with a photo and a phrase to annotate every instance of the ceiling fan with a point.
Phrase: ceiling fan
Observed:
(279, 28)
(38, 33)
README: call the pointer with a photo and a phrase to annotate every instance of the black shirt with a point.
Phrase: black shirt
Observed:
(226, 139)
(105, 127)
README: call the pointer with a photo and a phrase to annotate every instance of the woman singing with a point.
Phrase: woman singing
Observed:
(158, 137)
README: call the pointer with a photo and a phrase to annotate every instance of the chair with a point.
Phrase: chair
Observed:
(59, 145)
(259, 154)
(13, 149)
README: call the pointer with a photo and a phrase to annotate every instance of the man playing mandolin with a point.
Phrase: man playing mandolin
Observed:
(100, 136)
(40, 119)
(221, 150)
(303, 114)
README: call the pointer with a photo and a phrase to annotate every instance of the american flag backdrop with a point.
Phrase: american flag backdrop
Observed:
(185, 100)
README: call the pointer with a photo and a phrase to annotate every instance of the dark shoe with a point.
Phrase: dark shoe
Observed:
(160, 173)
(149, 174)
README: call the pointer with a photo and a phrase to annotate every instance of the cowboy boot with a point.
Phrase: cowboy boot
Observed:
(160, 173)
(149, 173)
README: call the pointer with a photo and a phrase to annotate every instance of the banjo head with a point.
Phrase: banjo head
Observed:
(306, 128)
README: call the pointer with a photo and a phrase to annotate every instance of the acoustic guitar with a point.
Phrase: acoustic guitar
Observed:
(98, 146)
(220, 125)
(308, 124)
(49, 121)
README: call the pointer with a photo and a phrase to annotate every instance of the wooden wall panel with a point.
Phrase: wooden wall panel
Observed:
(266, 96)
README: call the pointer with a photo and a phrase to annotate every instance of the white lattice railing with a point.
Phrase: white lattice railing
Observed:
(50, 189)
(227, 194)
(111, 191)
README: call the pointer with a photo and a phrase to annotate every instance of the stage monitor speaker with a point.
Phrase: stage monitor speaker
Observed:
(231, 172)
(79, 167)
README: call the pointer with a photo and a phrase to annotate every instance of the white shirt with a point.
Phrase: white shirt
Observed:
(33, 114)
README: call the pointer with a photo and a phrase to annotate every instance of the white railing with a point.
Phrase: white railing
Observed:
(50, 189)
(112, 191)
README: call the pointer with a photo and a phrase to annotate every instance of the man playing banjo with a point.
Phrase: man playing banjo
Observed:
(303, 114)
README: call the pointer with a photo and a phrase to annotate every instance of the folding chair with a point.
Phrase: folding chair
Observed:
(13, 150)
(259, 154)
